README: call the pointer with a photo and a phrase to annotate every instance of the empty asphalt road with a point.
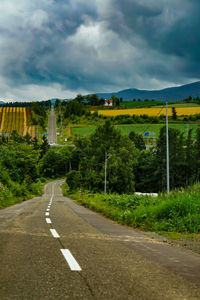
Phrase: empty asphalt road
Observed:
(52, 248)
(52, 138)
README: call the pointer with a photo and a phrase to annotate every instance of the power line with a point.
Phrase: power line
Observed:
(155, 116)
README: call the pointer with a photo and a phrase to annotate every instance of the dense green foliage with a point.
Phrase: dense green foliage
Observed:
(90, 156)
(130, 166)
(18, 172)
(25, 165)
(39, 114)
(184, 160)
(180, 212)
(54, 163)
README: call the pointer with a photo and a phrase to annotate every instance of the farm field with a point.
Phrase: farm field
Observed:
(155, 111)
(16, 118)
(143, 104)
(153, 129)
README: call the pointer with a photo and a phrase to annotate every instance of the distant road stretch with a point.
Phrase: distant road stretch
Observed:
(52, 248)
(52, 138)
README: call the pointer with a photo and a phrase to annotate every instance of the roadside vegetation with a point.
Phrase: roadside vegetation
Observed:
(179, 212)
(26, 165)
(129, 165)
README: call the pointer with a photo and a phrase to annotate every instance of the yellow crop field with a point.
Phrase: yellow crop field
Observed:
(154, 111)
(16, 118)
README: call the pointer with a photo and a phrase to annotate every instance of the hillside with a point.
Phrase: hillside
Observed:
(170, 94)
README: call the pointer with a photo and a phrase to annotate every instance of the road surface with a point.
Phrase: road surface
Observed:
(52, 248)
(52, 138)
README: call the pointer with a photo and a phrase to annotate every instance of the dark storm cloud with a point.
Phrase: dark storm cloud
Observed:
(37, 33)
(168, 27)
(97, 45)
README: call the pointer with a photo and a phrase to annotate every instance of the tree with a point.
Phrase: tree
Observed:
(73, 179)
(114, 100)
(105, 136)
(16, 137)
(101, 102)
(145, 179)
(27, 138)
(138, 140)
(174, 113)
(55, 162)
(189, 159)
(176, 159)
(79, 98)
(44, 146)
(74, 108)
(90, 159)
(93, 100)
(197, 155)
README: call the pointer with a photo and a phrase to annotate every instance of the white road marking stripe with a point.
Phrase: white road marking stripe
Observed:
(49, 206)
(54, 233)
(74, 266)
(47, 214)
(48, 209)
(48, 220)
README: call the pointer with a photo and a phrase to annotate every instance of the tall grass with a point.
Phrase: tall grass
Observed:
(180, 212)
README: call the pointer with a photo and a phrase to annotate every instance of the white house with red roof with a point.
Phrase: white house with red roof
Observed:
(108, 102)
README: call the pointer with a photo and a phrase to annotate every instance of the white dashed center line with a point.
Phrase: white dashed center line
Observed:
(74, 266)
(48, 220)
(54, 233)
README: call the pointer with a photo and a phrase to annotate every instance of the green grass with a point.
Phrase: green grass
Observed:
(183, 105)
(83, 131)
(153, 129)
(179, 212)
(143, 104)
(140, 104)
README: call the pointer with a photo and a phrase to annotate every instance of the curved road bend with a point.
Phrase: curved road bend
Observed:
(52, 248)
(52, 138)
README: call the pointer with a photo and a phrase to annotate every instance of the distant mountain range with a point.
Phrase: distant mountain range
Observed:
(170, 94)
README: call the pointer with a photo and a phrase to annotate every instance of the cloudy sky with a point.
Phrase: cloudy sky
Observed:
(58, 48)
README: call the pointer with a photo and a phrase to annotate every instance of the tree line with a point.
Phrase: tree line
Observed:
(130, 166)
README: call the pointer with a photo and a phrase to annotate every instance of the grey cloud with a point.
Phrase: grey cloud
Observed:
(99, 45)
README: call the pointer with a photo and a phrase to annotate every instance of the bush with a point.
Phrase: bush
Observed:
(73, 179)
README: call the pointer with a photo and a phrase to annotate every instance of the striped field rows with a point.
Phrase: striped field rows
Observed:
(154, 111)
(16, 118)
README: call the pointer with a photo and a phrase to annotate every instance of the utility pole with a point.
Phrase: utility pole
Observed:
(167, 149)
(61, 127)
(106, 158)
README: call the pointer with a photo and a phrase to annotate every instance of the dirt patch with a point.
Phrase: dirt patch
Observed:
(192, 243)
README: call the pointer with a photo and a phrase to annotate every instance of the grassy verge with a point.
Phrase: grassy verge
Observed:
(180, 212)
(16, 194)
